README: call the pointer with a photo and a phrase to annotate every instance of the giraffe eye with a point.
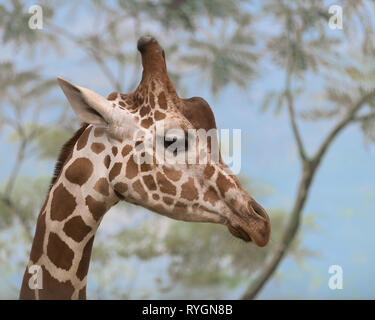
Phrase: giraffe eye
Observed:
(169, 142)
(179, 144)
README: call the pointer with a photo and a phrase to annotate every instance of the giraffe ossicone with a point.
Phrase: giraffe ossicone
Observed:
(106, 161)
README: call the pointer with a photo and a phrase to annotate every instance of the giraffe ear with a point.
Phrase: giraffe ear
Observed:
(89, 106)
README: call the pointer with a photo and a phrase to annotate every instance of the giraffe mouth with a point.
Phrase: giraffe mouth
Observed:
(255, 226)
(238, 232)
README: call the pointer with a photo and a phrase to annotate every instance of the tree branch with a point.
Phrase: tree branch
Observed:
(91, 51)
(290, 103)
(350, 116)
(308, 173)
(5, 196)
(364, 117)
(102, 65)
(293, 123)
(288, 235)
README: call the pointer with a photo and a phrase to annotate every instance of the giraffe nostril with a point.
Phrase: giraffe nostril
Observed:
(253, 206)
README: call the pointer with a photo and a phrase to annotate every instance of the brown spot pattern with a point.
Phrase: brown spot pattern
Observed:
(112, 96)
(121, 187)
(146, 123)
(149, 182)
(223, 183)
(59, 252)
(131, 168)
(144, 110)
(76, 228)
(107, 161)
(208, 171)
(138, 187)
(26, 293)
(188, 190)
(167, 200)
(98, 132)
(97, 147)
(125, 150)
(159, 115)
(172, 174)
(37, 248)
(97, 208)
(82, 294)
(83, 266)
(102, 186)
(79, 171)
(82, 141)
(114, 151)
(165, 185)
(211, 196)
(63, 203)
(145, 167)
(54, 289)
(115, 171)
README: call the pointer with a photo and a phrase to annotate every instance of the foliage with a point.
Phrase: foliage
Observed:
(225, 43)
(226, 58)
(13, 23)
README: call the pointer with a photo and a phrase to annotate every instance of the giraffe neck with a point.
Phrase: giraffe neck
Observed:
(66, 228)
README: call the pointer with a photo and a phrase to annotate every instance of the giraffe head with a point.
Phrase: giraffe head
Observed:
(152, 135)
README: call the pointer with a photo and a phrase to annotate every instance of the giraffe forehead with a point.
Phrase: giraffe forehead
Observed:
(133, 127)
(153, 105)
(151, 101)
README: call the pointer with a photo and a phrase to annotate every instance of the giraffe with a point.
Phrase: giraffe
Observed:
(98, 167)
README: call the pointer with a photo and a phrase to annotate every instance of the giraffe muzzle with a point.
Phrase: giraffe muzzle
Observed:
(252, 225)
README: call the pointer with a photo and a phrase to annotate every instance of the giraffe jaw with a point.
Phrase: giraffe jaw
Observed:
(247, 234)
(238, 232)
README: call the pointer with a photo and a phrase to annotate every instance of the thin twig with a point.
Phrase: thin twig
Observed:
(290, 103)
(364, 117)
(350, 116)
(307, 176)
(91, 51)
(14, 210)
(16, 168)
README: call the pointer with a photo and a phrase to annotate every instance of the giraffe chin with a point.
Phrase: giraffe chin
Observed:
(238, 232)
(259, 237)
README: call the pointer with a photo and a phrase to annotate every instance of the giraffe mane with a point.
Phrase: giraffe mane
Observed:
(65, 152)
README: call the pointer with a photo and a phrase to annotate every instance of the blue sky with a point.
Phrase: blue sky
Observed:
(342, 196)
